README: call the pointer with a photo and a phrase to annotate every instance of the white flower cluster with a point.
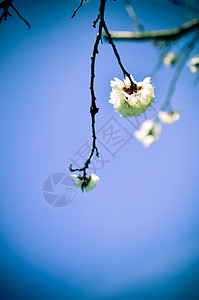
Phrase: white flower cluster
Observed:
(170, 59)
(92, 180)
(128, 103)
(148, 133)
(193, 64)
(150, 130)
(169, 117)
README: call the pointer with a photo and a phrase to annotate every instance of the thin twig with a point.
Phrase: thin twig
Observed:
(24, 20)
(96, 21)
(75, 11)
(109, 37)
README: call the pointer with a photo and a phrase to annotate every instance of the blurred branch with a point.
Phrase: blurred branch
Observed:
(132, 15)
(186, 53)
(168, 34)
(185, 5)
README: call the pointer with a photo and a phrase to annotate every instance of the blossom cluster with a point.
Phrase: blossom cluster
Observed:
(194, 64)
(149, 131)
(130, 102)
(169, 118)
(131, 98)
(170, 59)
(91, 181)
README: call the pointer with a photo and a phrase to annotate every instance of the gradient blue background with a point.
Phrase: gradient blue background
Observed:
(136, 235)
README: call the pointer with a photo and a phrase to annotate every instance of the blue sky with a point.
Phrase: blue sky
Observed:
(135, 236)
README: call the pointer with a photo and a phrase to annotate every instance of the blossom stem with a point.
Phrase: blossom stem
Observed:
(133, 85)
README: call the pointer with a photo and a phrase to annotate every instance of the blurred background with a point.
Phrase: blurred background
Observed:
(136, 235)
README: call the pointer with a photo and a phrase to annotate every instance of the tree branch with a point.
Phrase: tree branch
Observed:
(166, 35)
(5, 5)
(93, 109)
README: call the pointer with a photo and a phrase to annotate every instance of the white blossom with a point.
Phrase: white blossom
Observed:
(148, 133)
(169, 117)
(128, 103)
(193, 64)
(92, 180)
(170, 59)
(78, 181)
